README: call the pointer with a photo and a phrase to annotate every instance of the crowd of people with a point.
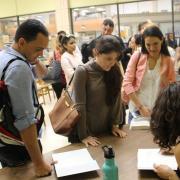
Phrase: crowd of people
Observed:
(108, 77)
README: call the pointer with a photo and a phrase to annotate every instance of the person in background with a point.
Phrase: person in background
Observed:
(107, 29)
(177, 63)
(134, 44)
(165, 127)
(31, 39)
(58, 84)
(61, 33)
(97, 94)
(147, 73)
(171, 41)
(71, 58)
(87, 51)
(142, 26)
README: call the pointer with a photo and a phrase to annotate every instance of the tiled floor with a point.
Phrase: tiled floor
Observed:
(50, 140)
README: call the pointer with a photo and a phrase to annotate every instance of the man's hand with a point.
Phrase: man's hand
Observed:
(29, 137)
(42, 169)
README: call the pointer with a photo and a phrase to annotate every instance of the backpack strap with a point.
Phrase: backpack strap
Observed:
(12, 60)
(35, 97)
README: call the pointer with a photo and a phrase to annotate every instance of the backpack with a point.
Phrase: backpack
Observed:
(54, 72)
(9, 135)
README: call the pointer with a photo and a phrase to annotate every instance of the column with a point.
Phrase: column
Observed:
(63, 21)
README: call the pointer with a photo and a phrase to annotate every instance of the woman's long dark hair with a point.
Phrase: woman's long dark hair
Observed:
(154, 31)
(112, 78)
(113, 81)
(165, 118)
(87, 50)
(65, 39)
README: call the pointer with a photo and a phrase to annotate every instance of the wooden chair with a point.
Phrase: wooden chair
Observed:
(43, 89)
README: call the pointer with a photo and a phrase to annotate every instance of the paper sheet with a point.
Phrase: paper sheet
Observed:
(74, 162)
(147, 157)
(140, 123)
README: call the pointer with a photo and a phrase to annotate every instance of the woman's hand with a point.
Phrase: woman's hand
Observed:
(118, 132)
(167, 151)
(165, 172)
(93, 141)
(144, 111)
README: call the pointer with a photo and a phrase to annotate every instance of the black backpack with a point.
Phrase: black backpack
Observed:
(14, 153)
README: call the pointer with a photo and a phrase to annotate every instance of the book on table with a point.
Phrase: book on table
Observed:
(146, 158)
(140, 122)
(74, 162)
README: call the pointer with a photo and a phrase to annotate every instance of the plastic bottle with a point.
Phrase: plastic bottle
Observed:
(109, 168)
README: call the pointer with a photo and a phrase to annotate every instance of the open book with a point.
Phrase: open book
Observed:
(74, 162)
(140, 123)
(146, 158)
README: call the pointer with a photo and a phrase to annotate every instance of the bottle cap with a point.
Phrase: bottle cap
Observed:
(108, 152)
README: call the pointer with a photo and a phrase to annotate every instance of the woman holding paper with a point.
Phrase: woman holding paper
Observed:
(96, 89)
(148, 71)
(165, 126)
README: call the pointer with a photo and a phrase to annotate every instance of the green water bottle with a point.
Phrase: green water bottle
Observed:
(109, 168)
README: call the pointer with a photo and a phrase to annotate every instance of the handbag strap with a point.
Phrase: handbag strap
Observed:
(70, 80)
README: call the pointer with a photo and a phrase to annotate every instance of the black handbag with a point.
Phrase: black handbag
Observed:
(54, 72)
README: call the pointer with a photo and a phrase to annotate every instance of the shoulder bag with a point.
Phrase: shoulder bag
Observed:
(64, 115)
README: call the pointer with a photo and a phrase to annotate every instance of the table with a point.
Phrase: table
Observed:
(126, 159)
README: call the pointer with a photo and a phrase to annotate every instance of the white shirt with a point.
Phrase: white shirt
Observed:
(69, 62)
(149, 88)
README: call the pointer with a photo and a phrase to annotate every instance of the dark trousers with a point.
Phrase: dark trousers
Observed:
(58, 87)
(14, 155)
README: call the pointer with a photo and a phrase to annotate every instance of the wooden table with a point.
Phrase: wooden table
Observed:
(126, 159)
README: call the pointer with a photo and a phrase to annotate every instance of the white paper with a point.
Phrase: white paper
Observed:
(140, 123)
(74, 162)
(146, 158)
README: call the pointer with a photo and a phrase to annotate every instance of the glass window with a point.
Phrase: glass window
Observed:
(87, 21)
(131, 14)
(48, 19)
(177, 21)
(8, 28)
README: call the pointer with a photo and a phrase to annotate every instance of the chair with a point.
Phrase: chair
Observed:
(43, 89)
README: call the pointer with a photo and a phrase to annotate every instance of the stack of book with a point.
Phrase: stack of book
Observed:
(140, 123)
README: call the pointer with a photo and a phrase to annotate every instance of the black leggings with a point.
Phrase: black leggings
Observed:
(58, 87)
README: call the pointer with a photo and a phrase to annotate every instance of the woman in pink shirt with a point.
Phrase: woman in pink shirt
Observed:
(148, 71)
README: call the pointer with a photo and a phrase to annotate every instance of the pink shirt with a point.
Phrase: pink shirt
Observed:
(136, 69)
